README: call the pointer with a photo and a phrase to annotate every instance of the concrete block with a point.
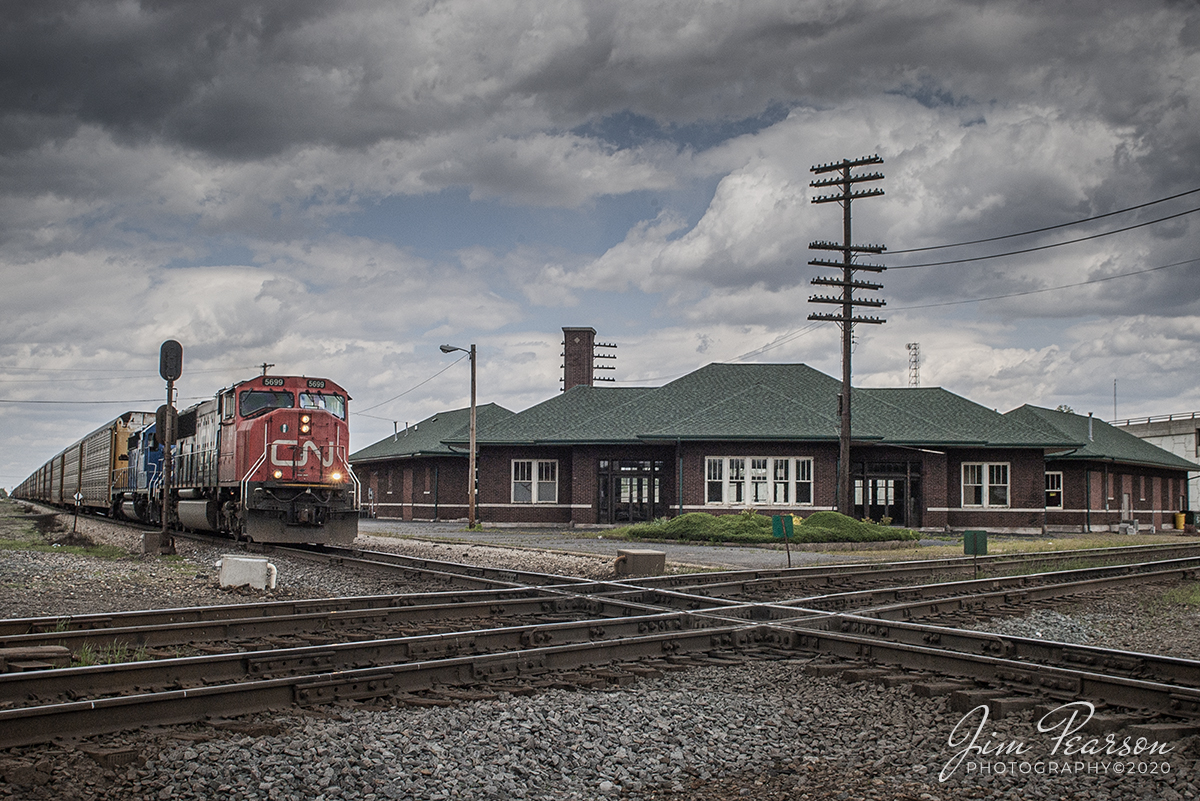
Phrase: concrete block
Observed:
(238, 571)
(640, 562)
(1162, 732)
(1002, 707)
(933, 689)
(966, 700)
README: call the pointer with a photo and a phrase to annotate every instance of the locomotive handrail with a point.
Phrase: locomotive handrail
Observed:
(341, 451)
(245, 482)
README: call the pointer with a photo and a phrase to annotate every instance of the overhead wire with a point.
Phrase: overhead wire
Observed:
(1048, 227)
(360, 412)
(1046, 289)
(1045, 247)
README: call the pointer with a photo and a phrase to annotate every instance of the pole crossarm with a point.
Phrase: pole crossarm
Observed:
(853, 179)
(853, 301)
(874, 268)
(837, 318)
(820, 281)
(846, 163)
(821, 244)
(847, 196)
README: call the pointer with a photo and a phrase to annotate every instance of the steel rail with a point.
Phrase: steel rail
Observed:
(979, 602)
(948, 591)
(1051, 680)
(1131, 664)
(35, 724)
(11, 627)
(332, 622)
(97, 681)
(833, 573)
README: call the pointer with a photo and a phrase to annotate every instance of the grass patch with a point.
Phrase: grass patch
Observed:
(111, 654)
(750, 527)
(1183, 595)
(23, 529)
(98, 551)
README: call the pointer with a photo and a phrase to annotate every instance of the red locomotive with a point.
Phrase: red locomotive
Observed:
(264, 460)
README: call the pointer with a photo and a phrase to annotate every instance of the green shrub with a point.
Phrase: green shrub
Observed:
(837, 527)
(749, 526)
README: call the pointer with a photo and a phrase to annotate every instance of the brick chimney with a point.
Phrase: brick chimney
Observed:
(578, 349)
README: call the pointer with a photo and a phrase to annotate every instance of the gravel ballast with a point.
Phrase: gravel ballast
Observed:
(760, 730)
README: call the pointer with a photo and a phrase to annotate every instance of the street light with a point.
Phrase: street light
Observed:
(471, 458)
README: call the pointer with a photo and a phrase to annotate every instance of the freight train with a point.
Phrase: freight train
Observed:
(263, 460)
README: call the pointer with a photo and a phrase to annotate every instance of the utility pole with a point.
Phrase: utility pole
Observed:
(845, 181)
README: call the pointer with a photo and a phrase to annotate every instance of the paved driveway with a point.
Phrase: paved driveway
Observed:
(595, 543)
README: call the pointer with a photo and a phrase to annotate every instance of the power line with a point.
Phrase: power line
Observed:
(1046, 247)
(147, 373)
(410, 389)
(1049, 227)
(97, 402)
(1047, 289)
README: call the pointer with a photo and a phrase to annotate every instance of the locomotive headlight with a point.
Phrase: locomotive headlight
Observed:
(278, 474)
(304, 424)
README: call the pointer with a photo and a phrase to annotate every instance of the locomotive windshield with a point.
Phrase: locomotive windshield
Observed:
(334, 404)
(254, 401)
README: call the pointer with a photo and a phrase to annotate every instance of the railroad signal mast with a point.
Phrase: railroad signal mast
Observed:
(845, 181)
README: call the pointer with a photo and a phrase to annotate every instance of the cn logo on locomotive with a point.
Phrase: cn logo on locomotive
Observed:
(276, 459)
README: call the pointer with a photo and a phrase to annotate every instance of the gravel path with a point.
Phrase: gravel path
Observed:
(762, 730)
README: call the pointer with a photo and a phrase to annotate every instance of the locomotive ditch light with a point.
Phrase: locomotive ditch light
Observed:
(336, 476)
(278, 474)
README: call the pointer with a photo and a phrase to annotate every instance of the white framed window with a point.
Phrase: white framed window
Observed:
(985, 484)
(1054, 493)
(735, 491)
(804, 482)
(715, 482)
(758, 481)
(535, 481)
(781, 482)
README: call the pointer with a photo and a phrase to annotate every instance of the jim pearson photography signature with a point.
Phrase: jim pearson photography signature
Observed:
(1070, 752)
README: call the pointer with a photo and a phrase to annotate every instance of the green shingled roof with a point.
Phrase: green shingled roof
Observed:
(569, 417)
(1106, 444)
(429, 437)
(790, 402)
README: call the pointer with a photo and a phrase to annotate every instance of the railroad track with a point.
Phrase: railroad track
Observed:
(517, 631)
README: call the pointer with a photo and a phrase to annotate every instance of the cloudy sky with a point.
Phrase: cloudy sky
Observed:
(339, 187)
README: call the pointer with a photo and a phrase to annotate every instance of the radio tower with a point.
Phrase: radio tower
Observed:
(914, 364)
(845, 182)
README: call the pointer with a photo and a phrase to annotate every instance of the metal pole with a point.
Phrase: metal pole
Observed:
(471, 460)
(164, 542)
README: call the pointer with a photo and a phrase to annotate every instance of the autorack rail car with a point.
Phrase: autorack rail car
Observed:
(265, 460)
(86, 468)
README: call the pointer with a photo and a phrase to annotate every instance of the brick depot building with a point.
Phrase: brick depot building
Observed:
(733, 436)
(414, 474)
